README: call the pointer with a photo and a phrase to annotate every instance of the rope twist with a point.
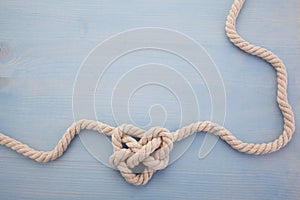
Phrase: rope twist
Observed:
(134, 146)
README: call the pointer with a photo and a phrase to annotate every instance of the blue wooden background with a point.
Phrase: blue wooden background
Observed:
(42, 45)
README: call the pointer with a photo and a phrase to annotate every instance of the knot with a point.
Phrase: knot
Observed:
(135, 148)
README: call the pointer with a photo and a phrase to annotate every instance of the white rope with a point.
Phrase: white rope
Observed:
(154, 145)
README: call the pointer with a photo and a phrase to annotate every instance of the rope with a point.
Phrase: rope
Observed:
(153, 146)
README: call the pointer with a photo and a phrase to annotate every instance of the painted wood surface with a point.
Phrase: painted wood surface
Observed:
(42, 45)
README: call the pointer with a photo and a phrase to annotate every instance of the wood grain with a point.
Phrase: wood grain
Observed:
(42, 45)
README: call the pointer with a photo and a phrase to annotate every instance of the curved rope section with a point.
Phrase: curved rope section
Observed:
(153, 146)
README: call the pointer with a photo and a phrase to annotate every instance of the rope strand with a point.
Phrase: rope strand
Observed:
(154, 145)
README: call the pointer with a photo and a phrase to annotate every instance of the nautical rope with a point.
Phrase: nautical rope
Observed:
(153, 146)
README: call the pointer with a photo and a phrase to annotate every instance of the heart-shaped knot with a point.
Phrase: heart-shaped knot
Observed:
(134, 147)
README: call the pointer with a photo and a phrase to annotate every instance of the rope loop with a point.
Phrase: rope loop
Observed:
(151, 150)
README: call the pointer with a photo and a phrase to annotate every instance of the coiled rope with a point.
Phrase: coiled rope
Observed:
(153, 146)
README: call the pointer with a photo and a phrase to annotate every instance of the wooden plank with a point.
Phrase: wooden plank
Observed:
(42, 45)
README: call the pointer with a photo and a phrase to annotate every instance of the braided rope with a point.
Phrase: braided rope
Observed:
(154, 145)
